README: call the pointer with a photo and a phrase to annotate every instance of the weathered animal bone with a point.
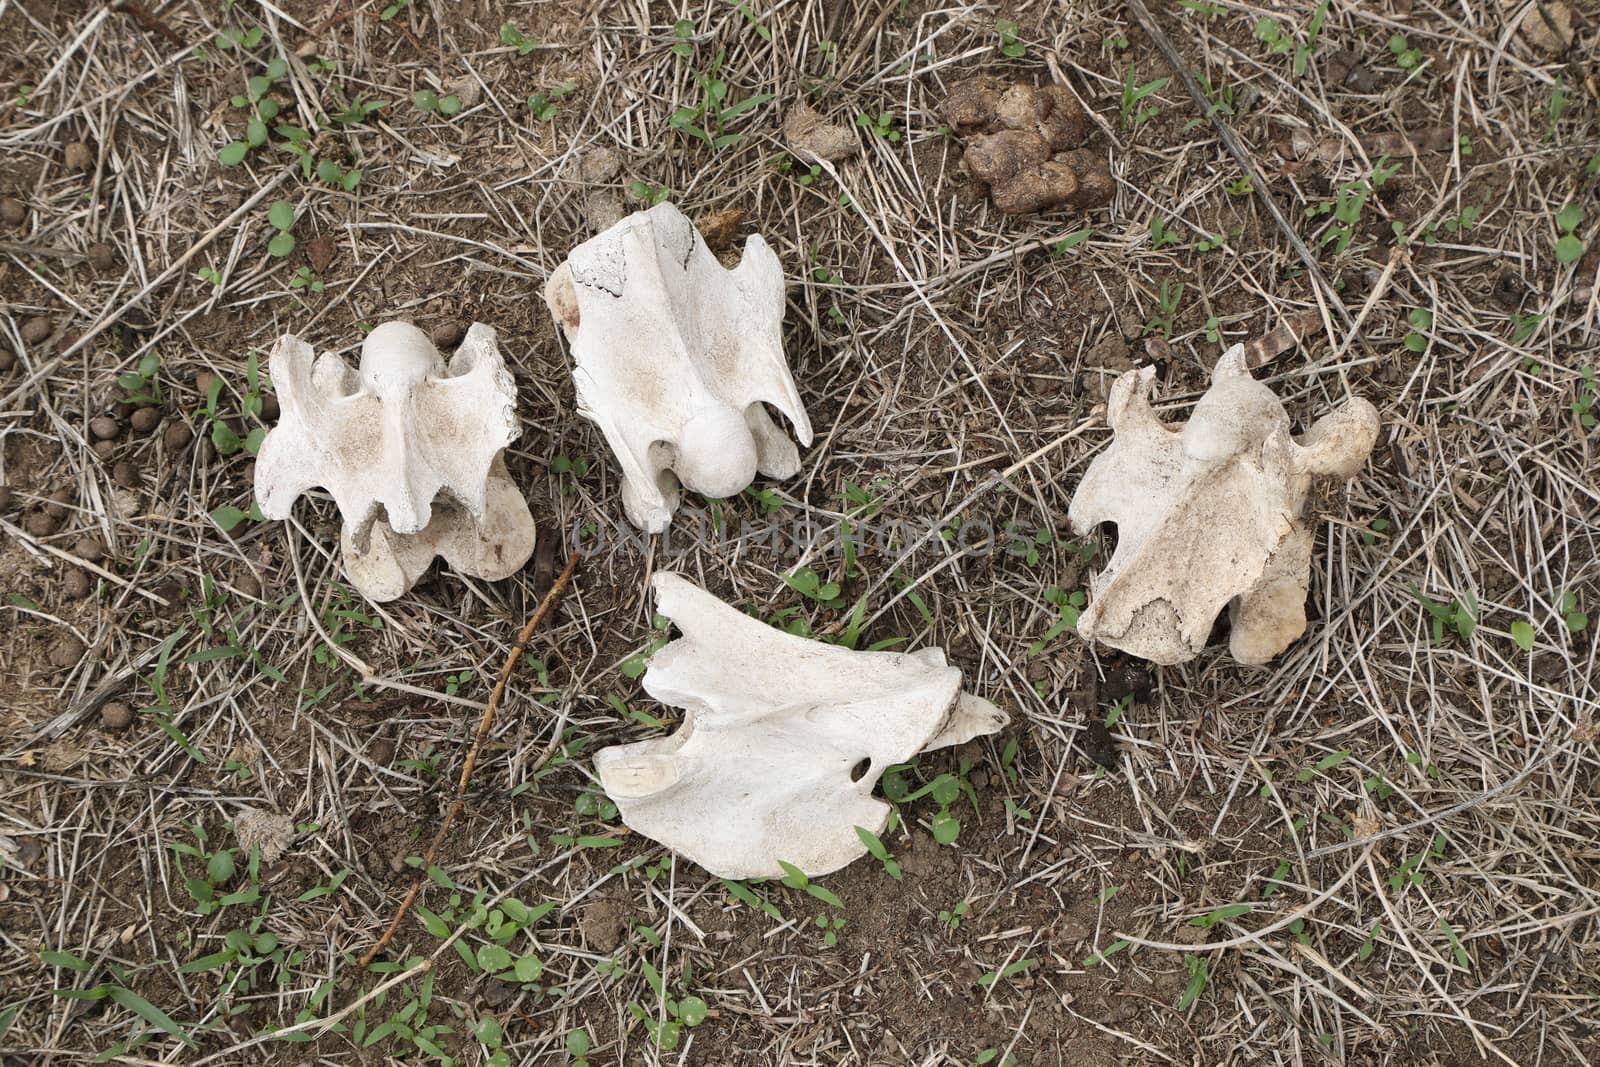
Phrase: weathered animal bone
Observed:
(782, 740)
(1209, 515)
(675, 357)
(410, 450)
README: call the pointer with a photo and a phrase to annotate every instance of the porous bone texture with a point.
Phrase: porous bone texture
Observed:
(410, 450)
(1209, 515)
(674, 359)
(782, 741)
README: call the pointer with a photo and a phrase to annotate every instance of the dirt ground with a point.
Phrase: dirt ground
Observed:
(220, 767)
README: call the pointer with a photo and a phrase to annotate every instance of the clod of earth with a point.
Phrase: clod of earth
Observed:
(813, 138)
(1208, 515)
(78, 156)
(410, 449)
(145, 419)
(267, 830)
(37, 330)
(1546, 25)
(105, 428)
(782, 742)
(12, 210)
(1024, 143)
(116, 716)
(675, 356)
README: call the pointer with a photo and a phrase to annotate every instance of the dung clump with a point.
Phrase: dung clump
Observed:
(1025, 143)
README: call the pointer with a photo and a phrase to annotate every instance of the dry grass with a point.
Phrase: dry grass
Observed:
(1431, 896)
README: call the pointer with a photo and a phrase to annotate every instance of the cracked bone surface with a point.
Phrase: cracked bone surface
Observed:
(766, 764)
(675, 357)
(410, 450)
(1208, 515)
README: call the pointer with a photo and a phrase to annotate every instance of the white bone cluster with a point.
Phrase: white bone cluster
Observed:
(782, 742)
(410, 450)
(1208, 516)
(675, 357)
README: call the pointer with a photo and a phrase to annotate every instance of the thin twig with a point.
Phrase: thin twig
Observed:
(484, 724)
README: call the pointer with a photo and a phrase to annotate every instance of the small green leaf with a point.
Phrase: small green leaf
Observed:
(1569, 249)
(281, 245)
(281, 215)
(227, 517)
(149, 1013)
(1523, 634)
(233, 154)
(1568, 217)
(692, 1011)
(65, 959)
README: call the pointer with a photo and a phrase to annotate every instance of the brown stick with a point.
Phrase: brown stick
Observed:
(484, 724)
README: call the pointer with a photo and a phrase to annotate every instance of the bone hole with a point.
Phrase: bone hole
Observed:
(1107, 532)
(859, 771)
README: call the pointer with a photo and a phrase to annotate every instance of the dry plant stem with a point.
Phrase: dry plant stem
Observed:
(1236, 148)
(545, 607)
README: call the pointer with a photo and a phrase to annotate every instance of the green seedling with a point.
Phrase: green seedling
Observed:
(262, 110)
(945, 790)
(1214, 330)
(1410, 872)
(1243, 185)
(1459, 615)
(1117, 42)
(1524, 327)
(306, 278)
(231, 37)
(1160, 235)
(990, 1057)
(1375, 529)
(1211, 244)
(635, 665)
(879, 852)
(650, 194)
(281, 217)
(1405, 56)
(1196, 966)
(428, 100)
(1068, 607)
(512, 37)
(1569, 249)
(1575, 619)
(595, 806)
(1119, 708)
(679, 1012)
(454, 683)
(1134, 109)
(332, 173)
(1010, 970)
(1167, 301)
(707, 120)
(1421, 320)
(1323, 765)
(742, 893)
(1281, 41)
(360, 110)
(568, 471)
(683, 34)
(951, 919)
(809, 584)
(1350, 199)
(1010, 47)
(1523, 633)
(578, 1045)
(1071, 241)
(830, 925)
(142, 384)
(542, 105)
(880, 125)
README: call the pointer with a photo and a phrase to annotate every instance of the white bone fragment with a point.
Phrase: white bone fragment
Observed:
(409, 448)
(782, 742)
(674, 358)
(1208, 515)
